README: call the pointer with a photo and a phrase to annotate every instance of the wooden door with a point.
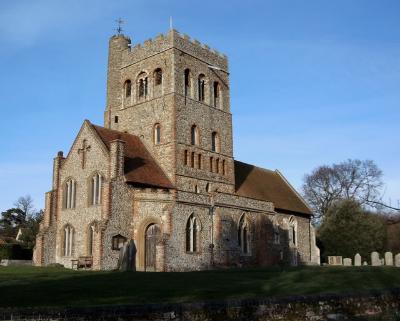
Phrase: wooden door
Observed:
(152, 236)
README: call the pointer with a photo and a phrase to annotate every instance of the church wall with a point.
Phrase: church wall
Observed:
(83, 214)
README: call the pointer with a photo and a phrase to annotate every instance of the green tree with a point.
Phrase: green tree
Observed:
(348, 229)
(11, 220)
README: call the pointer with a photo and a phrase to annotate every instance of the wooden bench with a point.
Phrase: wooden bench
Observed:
(84, 262)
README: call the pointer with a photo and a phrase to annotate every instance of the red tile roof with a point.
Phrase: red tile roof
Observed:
(140, 167)
(267, 185)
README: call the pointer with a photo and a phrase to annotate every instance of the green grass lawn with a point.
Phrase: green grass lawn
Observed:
(31, 286)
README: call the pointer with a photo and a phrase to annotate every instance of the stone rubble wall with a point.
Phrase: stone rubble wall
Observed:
(370, 306)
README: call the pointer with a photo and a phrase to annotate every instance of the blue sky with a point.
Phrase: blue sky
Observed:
(312, 82)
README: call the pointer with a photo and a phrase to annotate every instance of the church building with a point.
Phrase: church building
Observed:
(161, 172)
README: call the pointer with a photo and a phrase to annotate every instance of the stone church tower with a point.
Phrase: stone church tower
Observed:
(161, 173)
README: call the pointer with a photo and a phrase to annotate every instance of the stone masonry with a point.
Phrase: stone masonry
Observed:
(161, 172)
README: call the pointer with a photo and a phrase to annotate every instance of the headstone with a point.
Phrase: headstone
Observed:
(335, 260)
(347, 261)
(389, 258)
(315, 252)
(375, 260)
(365, 263)
(397, 260)
(357, 260)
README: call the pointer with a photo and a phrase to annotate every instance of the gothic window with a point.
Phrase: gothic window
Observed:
(157, 134)
(243, 231)
(292, 231)
(68, 238)
(199, 160)
(194, 135)
(118, 241)
(90, 239)
(215, 142)
(211, 164)
(217, 93)
(142, 85)
(191, 234)
(223, 167)
(201, 87)
(158, 77)
(128, 88)
(95, 189)
(187, 82)
(69, 194)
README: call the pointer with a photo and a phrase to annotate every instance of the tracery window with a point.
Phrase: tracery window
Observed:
(191, 234)
(68, 237)
(69, 194)
(95, 189)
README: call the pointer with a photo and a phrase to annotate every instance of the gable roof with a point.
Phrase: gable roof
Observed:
(267, 185)
(139, 165)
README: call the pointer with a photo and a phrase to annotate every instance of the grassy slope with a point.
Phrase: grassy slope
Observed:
(29, 286)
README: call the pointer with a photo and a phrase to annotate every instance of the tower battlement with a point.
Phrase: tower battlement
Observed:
(177, 40)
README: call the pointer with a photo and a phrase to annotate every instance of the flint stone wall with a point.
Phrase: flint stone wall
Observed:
(385, 306)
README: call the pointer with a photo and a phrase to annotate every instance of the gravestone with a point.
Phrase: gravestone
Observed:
(127, 254)
(365, 263)
(357, 260)
(397, 260)
(375, 260)
(347, 261)
(389, 258)
(335, 260)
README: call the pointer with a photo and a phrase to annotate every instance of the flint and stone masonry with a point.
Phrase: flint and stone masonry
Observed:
(161, 172)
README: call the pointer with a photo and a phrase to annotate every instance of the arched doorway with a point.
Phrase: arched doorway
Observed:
(152, 236)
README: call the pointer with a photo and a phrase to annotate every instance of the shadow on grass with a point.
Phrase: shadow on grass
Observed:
(61, 287)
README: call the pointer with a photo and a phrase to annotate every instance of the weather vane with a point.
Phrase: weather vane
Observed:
(120, 22)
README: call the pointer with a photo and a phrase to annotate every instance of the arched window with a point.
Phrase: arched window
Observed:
(199, 161)
(142, 84)
(243, 231)
(215, 144)
(211, 164)
(68, 238)
(187, 82)
(191, 234)
(95, 189)
(158, 77)
(217, 165)
(69, 194)
(194, 135)
(292, 231)
(90, 239)
(157, 134)
(128, 88)
(223, 167)
(118, 241)
(217, 94)
(201, 87)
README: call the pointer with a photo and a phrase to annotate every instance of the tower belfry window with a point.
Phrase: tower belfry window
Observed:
(216, 95)
(187, 82)
(215, 142)
(128, 88)
(158, 77)
(142, 85)
(201, 87)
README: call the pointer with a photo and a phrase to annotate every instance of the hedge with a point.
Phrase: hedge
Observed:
(14, 251)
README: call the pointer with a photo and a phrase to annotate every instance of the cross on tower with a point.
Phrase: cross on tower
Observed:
(120, 22)
(82, 151)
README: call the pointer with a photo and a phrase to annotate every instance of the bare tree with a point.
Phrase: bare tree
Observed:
(25, 204)
(350, 180)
